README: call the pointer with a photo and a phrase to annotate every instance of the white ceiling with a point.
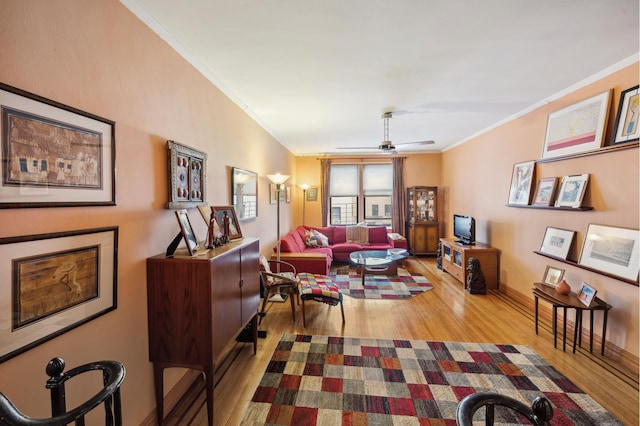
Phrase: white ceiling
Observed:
(317, 75)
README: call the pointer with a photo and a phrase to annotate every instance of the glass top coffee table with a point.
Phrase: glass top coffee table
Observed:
(378, 261)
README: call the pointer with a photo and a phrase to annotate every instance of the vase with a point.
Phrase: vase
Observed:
(563, 287)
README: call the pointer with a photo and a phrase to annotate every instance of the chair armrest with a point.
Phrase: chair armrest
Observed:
(274, 263)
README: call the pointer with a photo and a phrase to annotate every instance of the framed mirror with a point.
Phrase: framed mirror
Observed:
(244, 193)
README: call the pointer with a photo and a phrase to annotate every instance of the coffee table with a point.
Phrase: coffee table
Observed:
(378, 261)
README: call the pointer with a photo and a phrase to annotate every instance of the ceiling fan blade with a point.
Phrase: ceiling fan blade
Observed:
(369, 148)
(416, 143)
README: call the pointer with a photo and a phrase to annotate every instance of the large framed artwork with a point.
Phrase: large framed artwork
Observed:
(557, 242)
(52, 283)
(521, 182)
(54, 155)
(577, 128)
(187, 176)
(612, 250)
(626, 128)
(244, 193)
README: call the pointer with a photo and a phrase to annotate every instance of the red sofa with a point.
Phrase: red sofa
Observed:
(295, 248)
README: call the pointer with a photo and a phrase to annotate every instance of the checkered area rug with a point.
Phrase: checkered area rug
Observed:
(322, 380)
(405, 285)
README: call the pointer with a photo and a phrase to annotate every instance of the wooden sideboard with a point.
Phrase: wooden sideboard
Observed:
(455, 258)
(196, 306)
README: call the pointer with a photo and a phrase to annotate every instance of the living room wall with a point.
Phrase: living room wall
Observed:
(98, 57)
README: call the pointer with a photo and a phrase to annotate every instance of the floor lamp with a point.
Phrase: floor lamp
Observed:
(278, 180)
(304, 187)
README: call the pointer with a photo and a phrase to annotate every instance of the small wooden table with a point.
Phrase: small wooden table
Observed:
(571, 301)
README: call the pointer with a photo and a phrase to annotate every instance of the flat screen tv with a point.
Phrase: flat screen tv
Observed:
(464, 229)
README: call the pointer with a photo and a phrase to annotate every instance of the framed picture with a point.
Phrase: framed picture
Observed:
(273, 193)
(193, 246)
(586, 294)
(612, 250)
(54, 155)
(222, 212)
(312, 194)
(557, 242)
(244, 193)
(552, 276)
(545, 192)
(521, 182)
(288, 194)
(577, 128)
(53, 283)
(626, 128)
(572, 189)
(187, 176)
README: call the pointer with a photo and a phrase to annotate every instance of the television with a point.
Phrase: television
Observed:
(464, 229)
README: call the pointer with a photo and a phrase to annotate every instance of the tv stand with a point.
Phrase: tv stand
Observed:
(465, 243)
(455, 259)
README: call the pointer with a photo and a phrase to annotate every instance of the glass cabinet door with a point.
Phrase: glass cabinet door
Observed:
(422, 204)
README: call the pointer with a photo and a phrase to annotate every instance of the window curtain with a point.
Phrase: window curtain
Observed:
(325, 181)
(398, 195)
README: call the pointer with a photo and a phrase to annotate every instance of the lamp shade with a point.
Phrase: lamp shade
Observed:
(278, 179)
(304, 186)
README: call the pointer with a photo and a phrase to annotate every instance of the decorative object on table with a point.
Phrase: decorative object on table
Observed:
(545, 192)
(552, 276)
(563, 287)
(187, 176)
(515, 370)
(312, 193)
(612, 250)
(244, 193)
(278, 181)
(572, 190)
(439, 255)
(475, 278)
(521, 183)
(577, 128)
(304, 187)
(54, 155)
(220, 212)
(186, 231)
(626, 128)
(557, 242)
(53, 283)
(587, 293)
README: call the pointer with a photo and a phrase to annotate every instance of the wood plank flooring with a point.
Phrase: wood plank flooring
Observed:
(446, 313)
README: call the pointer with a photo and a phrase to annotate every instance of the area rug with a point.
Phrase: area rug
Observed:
(405, 285)
(322, 380)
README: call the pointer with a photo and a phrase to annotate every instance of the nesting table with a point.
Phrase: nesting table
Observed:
(571, 301)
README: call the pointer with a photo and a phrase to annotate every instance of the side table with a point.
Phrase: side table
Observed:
(571, 301)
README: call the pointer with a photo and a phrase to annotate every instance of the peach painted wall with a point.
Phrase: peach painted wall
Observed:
(476, 180)
(96, 56)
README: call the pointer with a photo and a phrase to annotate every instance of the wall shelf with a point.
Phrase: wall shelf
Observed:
(528, 206)
(603, 150)
(577, 265)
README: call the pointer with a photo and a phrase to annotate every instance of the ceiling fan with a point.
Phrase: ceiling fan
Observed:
(386, 145)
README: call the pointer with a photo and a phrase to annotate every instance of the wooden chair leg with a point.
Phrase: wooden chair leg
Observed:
(264, 305)
(293, 306)
(304, 318)
(342, 311)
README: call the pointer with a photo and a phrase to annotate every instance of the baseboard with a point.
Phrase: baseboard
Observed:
(624, 358)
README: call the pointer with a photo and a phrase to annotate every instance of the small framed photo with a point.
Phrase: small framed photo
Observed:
(612, 250)
(187, 232)
(288, 194)
(572, 190)
(521, 183)
(586, 294)
(557, 242)
(273, 193)
(552, 276)
(312, 194)
(545, 191)
(626, 128)
(222, 212)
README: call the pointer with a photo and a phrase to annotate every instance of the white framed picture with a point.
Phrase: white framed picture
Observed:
(557, 242)
(612, 250)
(572, 190)
(586, 294)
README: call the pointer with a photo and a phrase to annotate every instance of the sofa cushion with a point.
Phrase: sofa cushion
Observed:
(298, 237)
(314, 238)
(324, 230)
(346, 247)
(289, 245)
(378, 235)
(339, 235)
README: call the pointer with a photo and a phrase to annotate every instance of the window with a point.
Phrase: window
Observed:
(361, 193)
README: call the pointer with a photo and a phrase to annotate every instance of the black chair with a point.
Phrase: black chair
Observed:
(538, 414)
(113, 374)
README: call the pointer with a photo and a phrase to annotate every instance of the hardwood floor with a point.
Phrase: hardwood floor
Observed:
(446, 313)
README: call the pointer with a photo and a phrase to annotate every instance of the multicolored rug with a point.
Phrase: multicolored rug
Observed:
(405, 285)
(322, 380)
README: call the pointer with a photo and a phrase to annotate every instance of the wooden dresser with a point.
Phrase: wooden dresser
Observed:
(197, 305)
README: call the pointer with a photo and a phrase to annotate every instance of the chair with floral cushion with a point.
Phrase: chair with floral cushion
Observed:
(283, 279)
